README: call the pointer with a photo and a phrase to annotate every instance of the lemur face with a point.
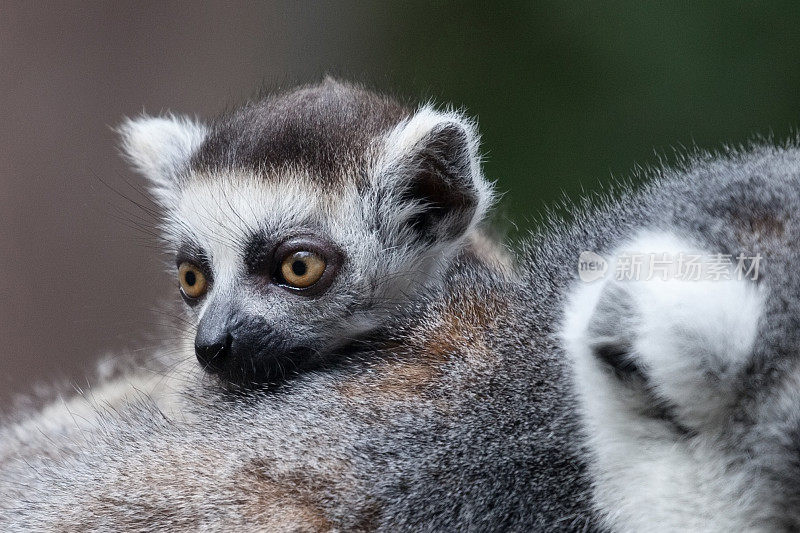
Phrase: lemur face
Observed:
(299, 224)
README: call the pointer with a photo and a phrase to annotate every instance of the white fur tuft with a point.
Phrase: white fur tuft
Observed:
(405, 138)
(159, 147)
(689, 339)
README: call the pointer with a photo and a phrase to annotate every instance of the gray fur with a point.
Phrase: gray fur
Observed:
(454, 426)
(465, 415)
(708, 407)
(442, 421)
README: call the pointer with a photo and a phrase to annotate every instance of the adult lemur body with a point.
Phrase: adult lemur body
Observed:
(522, 400)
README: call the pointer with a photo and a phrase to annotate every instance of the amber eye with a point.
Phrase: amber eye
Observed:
(302, 269)
(193, 281)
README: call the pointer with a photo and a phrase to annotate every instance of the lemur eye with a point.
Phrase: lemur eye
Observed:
(306, 265)
(302, 268)
(193, 281)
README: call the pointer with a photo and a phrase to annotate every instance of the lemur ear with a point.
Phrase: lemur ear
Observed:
(664, 341)
(432, 168)
(160, 147)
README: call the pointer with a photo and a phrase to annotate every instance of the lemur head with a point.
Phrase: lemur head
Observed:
(301, 221)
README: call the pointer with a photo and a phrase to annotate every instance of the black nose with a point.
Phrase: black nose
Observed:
(240, 348)
(212, 354)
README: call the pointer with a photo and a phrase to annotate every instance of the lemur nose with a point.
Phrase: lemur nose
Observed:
(212, 344)
(212, 353)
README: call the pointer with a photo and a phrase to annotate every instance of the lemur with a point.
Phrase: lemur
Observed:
(301, 222)
(690, 386)
(533, 400)
(428, 425)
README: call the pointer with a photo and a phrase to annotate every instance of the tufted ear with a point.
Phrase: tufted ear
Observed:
(160, 148)
(431, 171)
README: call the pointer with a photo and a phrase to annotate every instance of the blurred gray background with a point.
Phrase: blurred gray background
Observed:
(568, 94)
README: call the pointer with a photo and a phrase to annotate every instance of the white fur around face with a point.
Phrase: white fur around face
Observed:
(159, 148)
(222, 213)
(689, 338)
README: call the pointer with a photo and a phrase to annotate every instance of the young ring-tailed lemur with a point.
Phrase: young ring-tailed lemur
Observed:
(301, 222)
(452, 418)
(497, 402)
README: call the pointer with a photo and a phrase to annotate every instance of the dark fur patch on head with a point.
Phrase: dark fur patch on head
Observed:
(326, 128)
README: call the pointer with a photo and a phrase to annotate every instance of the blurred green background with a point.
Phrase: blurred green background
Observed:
(570, 93)
(567, 94)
